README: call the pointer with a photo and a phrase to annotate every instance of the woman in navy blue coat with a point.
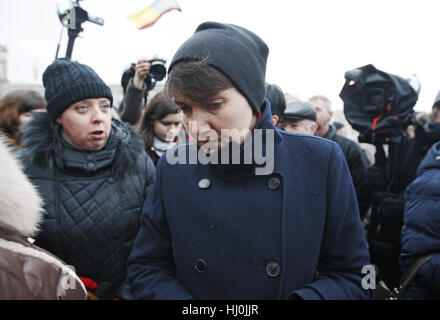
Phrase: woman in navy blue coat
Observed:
(278, 222)
(421, 228)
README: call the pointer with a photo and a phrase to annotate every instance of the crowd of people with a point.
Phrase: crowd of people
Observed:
(214, 188)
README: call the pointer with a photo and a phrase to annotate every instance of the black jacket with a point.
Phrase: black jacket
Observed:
(357, 162)
(92, 199)
(133, 103)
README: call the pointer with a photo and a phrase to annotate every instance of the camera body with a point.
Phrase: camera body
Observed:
(377, 104)
(157, 73)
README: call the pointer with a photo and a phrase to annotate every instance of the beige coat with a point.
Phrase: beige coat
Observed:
(27, 271)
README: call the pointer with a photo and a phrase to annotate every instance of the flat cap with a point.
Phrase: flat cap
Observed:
(300, 110)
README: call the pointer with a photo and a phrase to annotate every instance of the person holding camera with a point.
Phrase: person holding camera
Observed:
(388, 179)
(137, 81)
(380, 106)
(135, 92)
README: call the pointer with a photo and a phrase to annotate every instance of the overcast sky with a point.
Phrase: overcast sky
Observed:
(312, 42)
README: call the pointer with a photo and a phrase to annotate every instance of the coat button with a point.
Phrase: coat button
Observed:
(273, 183)
(111, 180)
(204, 183)
(90, 165)
(200, 266)
(273, 269)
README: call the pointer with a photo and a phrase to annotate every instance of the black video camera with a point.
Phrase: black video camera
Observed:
(377, 104)
(157, 73)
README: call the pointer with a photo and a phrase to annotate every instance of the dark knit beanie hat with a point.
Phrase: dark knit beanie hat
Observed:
(238, 53)
(67, 82)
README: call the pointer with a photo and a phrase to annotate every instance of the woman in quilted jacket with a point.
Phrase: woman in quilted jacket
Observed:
(93, 174)
(421, 229)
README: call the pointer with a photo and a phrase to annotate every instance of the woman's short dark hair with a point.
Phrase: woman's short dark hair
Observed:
(15, 104)
(196, 80)
(158, 108)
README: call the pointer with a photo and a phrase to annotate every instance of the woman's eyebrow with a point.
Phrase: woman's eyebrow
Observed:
(179, 102)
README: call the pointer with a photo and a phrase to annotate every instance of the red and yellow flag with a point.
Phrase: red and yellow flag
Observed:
(147, 17)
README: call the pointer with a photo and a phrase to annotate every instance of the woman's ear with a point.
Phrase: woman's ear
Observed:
(58, 121)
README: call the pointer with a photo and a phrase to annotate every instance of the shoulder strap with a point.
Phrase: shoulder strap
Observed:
(411, 272)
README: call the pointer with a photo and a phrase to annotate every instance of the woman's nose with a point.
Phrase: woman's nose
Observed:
(198, 123)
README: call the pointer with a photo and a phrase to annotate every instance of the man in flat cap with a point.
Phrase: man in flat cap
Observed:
(356, 157)
(300, 117)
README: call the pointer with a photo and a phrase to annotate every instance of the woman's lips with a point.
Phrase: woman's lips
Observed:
(98, 134)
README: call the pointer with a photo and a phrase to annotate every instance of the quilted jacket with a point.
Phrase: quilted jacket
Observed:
(421, 228)
(92, 199)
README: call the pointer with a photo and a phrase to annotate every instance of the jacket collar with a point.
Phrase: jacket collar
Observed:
(45, 146)
(259, 133)
(431, 160)
(331, 132)
(21, 207)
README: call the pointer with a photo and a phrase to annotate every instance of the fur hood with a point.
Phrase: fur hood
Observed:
(20, 204)
(43, 145)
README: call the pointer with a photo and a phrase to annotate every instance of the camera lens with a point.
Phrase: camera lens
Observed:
(158, 71)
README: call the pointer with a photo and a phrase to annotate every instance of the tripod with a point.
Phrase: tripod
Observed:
(73, 18)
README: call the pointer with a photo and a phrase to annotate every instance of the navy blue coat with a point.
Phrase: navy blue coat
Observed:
(421, 228)
(293, 233)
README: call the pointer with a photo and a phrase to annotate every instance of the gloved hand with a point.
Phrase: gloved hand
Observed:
(90, 285)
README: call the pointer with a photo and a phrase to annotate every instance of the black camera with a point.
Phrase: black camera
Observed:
(157, 73)
(377, 104)
(157, 69)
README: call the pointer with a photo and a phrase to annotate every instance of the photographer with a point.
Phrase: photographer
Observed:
(380, 106)
(137, 81)
(134, 93)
